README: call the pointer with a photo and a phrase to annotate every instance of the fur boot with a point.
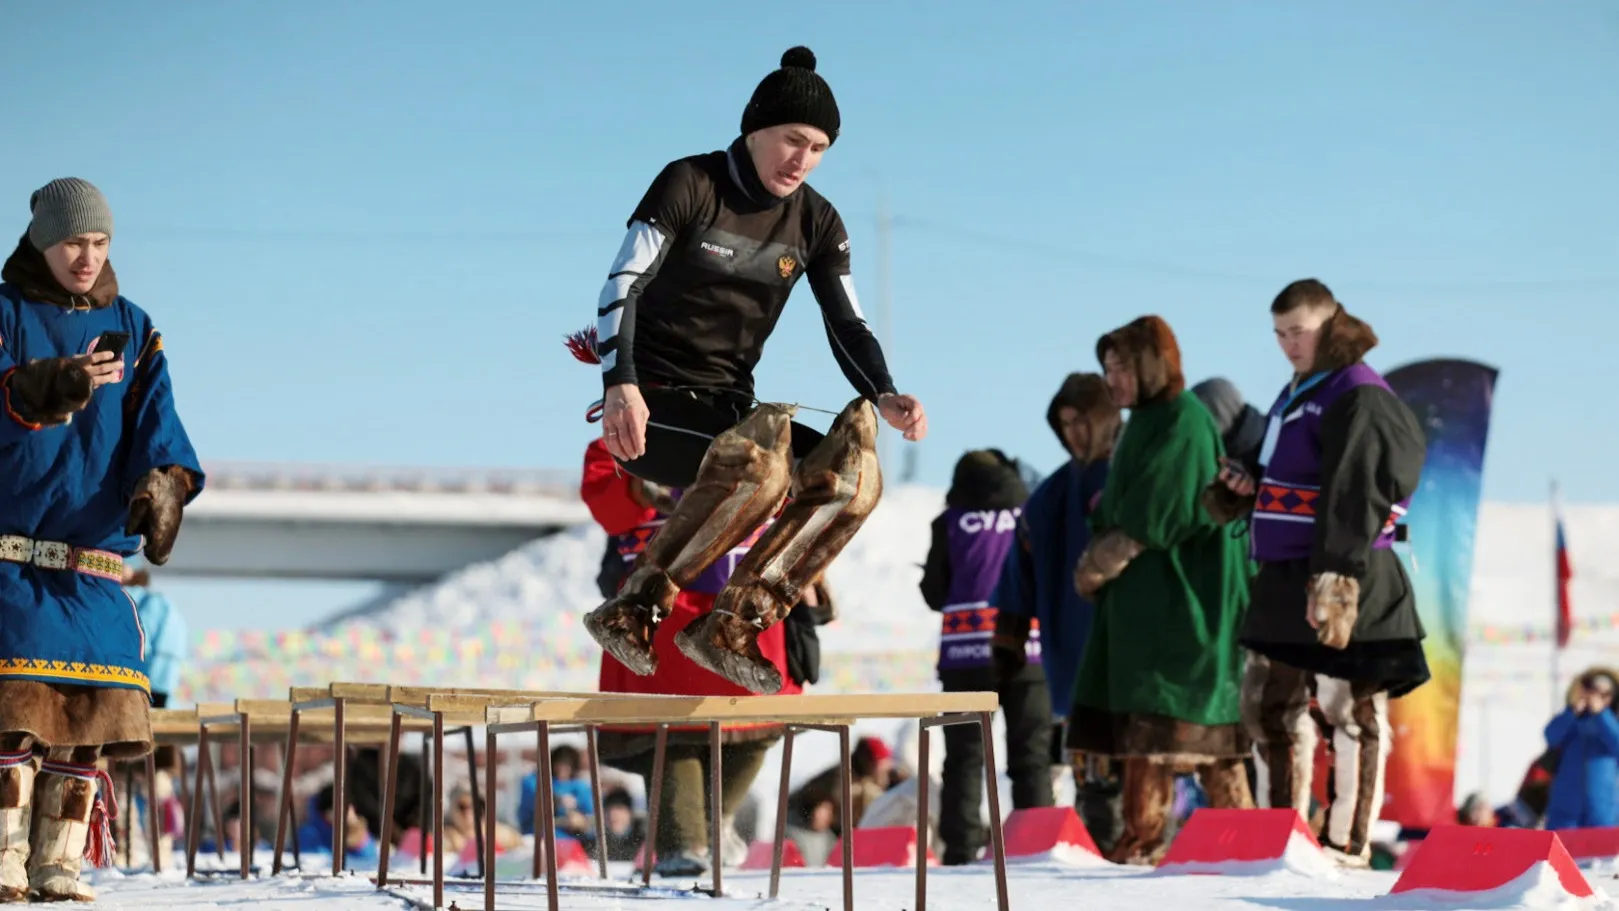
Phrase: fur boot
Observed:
(1099, 799)
(1226, 783)
(1149, 797)
(1276, 714)
(67, 828)
(1361, 742)
(835, 488)
(743, 480)
(17, 773)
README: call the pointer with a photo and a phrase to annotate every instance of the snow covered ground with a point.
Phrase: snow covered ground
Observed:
(1031, 887)
(886, 637)
(885, 633)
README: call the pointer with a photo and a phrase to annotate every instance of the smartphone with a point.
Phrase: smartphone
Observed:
(113, 341)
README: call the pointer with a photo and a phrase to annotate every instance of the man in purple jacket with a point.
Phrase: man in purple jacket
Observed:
(970, 542)
(1332, 604)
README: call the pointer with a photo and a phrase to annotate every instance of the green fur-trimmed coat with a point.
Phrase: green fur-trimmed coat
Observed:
(1162, 672)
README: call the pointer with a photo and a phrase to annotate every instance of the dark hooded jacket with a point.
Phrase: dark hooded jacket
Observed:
(1372, 449)
(1037, 579)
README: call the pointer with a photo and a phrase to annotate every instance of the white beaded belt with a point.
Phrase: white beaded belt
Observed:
(57, 555)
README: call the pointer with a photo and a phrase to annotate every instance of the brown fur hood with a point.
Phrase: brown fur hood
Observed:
(1149, 345)
(26, 268)
(1345, 340)
(1574, 685)
(1087, 394)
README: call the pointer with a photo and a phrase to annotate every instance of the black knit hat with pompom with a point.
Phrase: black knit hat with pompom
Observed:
(793, 94)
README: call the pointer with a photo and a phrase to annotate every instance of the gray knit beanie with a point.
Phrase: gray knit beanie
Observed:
(1223, 401)
(67, 207)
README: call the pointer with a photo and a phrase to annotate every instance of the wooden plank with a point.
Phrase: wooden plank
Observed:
(174, 715)
(371, 736)
(269, 710)
(210, 709)
(308, 693)
(800, 709)
(174, 722)
(508, 714)
(461, 703)
(418, 696)
(360, 692)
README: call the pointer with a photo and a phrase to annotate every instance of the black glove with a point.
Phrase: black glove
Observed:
(1009, 662)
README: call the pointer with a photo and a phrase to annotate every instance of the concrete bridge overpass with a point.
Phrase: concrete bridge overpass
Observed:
(396, 525)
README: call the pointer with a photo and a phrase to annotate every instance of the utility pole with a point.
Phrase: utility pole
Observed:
(885, 303)
(1558, 702)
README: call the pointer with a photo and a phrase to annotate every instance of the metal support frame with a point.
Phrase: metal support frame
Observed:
(997, 836)
(154, 829)
(484, 812)
(543, 729)
(205, 767)
(545, 861)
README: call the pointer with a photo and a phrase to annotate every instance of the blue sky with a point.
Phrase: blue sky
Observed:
(365, 227)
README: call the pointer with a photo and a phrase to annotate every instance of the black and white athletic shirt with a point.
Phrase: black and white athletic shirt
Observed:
(705, 271)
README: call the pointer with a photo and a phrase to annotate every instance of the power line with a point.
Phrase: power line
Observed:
(1046, 250)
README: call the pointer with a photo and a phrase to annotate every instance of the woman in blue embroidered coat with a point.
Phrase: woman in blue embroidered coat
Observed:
(98, 466)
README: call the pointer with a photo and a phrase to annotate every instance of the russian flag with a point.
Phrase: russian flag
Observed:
(1565, 572)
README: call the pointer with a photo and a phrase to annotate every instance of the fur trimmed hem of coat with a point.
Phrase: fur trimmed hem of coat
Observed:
(1394, 666)
(118, 720)
(1159, 738)
(621, 742)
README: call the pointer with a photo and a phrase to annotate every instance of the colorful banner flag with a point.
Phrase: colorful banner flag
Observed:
(1451, 399)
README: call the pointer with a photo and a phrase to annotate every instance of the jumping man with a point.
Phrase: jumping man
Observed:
(713, 250)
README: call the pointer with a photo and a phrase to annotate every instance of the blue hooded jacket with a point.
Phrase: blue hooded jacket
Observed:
(167, 638)
(1037, 579)
(1585, 788)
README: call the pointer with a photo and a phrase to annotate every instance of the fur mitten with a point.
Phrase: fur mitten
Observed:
(48, 391)
(1333, 605)
(156, 509)
(1103, 561)
(1225, 505)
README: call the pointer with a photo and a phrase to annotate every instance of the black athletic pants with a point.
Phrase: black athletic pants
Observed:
(682, 424)
(1026, 759)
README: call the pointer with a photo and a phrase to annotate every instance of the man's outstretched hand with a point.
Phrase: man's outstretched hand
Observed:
(624, 417)
(904, 413)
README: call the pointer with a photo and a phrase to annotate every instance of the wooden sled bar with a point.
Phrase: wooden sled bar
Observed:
(354, 723)
(835, 713)
(257, 721)
(169, 726)
(463, 709)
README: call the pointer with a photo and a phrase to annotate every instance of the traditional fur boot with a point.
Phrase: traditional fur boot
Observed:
(743, 480)
(1276, 714)
(69, 825)
(16, 808)
(1361, 742)
(1225, 781)
(1149, 797)
(1099, 800)
(835, 488)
